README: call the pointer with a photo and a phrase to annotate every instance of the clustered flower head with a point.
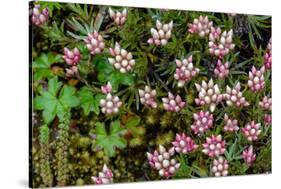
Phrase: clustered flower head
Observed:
(161, 34)
(118, 17)
(214, 146)
(104, 177)
(123, 60)
(266, 103)
(249, 156)
(202, 26)
(71, 71)
(220, 167)
(221, 70)
(256, 79)
(111, 103)
(71, 57)
(202, 122)
(148, 97)
(185, 71)
(220, 44)
(209, 94)
(39, 17)
(268, 56)
(163, 162)
(251, 131)
(94, 42)
(230, 125)
(267, 119)
(173, 103)
(184, 144)
(234, 96)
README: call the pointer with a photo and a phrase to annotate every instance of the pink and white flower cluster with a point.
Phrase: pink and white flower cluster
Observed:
(118, 17)
(267, 119)
(251, 131)
(148, 97)
(111, 104)
(202, 122)
(221, 69)
(39, 17)
(234, 96)
(256, 79)
(104, 177)
(202, 26)
(72, 58)
(163, 161)
(220, 44)
(185, 71)
(209, 94)
(230, 125)
(123, 60)
(214, 146)
(161, 34)
(268, 56)
(249, 156)
(220, 167)
(173, 103)
(266, 103)
(94, 42)
(184, 144)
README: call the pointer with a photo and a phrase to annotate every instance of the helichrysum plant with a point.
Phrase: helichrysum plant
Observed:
(123, 94)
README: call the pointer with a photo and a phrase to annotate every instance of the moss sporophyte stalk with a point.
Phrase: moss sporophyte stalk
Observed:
(125, 94)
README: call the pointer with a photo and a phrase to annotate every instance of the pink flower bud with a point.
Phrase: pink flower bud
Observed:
(249, 156)
(184, 144)
(163, 162)
(256, 79)
(234, 96)
(201, 26)
(230, 125)
(119, 18)
(266, 103)
(71, 57)
(123, 60)
(104, 177)
(209, 94)
(173, 103)
(251, 131)
(148, 97)
(161, 34)
(94, 42)
(111, 104)
(220, 44)
(39, 17)
(72, 71)
(214, 146)
(267, 119)
(220, 167)
(106, 88)
(202, 122)
(185, 71)
(221, 70)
